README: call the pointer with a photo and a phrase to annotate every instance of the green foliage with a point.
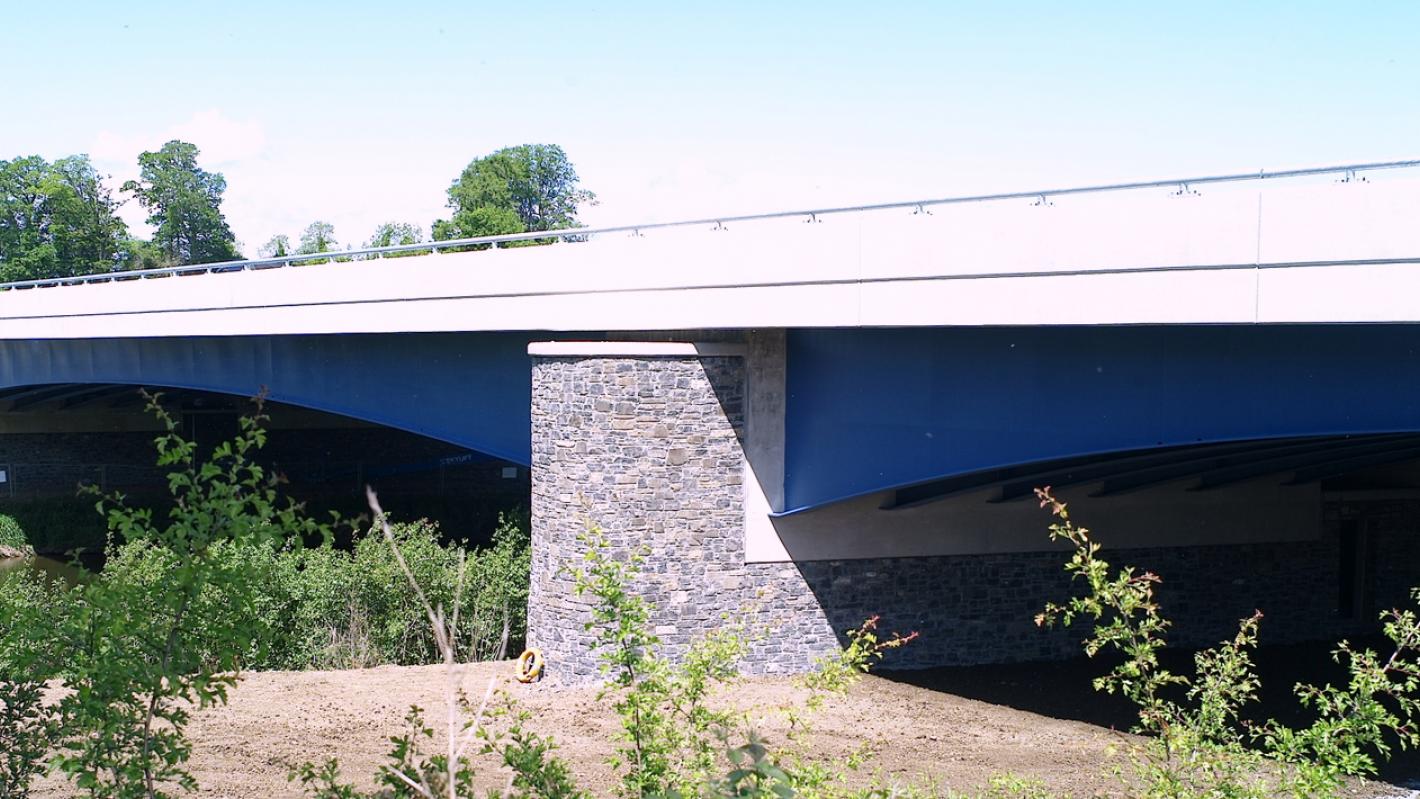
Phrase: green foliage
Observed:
(13, 541)
(530, 187)
(1203, 746)
(412, 771)
(27, 730)
(335, 609)
(140, 254)
(392, 234)
(57, 220)
(669, 734)
(29, 606)
(753, 775)
(167, 627)
(833, 676)
(322, 607)
(537, 771)
(59, 525)
(184, 205)
(278, 246)
(317, 237)
(409, 773)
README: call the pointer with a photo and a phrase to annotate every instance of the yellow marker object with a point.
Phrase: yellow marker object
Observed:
(529, 665)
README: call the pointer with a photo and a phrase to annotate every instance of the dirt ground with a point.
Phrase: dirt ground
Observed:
(276, 719)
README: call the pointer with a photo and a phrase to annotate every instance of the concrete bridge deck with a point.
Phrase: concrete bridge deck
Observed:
(1299, 251)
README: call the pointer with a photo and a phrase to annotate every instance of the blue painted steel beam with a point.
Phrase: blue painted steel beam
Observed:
(877, 409)
(468, 389)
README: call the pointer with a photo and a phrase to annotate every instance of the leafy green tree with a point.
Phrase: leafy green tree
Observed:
(57, 220)
(318, 237)
(140, 254)
(184, 203)
(277, 247)
(530, 187)
(391, 234)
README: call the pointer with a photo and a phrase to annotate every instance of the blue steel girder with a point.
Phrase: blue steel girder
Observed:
(877, 409)
(868, 409)
(465, 388)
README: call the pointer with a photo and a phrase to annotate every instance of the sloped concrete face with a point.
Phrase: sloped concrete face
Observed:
(650, 449)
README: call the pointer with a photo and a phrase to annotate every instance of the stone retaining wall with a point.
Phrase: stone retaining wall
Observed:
(651, 449)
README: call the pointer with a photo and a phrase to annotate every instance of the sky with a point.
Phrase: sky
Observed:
(360, 112)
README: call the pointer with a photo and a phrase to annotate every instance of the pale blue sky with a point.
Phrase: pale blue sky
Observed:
(359, 111)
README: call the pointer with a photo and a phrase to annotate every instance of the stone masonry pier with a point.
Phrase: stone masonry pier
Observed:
(675, 449)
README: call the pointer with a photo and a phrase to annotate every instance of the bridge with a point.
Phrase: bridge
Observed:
(828, 414)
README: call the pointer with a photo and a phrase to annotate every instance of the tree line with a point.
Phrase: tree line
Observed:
(59, 219)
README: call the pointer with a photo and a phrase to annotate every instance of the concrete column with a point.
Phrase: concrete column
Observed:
(765, 400)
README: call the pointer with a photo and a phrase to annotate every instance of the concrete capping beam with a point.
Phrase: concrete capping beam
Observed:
(634, 349)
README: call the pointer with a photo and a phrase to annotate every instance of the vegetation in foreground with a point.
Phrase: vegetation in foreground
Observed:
(1195, 739)
(188, 602)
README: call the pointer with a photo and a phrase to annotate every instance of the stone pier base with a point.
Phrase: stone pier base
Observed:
(646, 441)
(649, 442)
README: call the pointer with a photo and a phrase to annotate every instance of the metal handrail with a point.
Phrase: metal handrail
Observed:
(719, 222)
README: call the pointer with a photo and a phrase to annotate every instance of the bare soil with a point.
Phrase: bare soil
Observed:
(276, 719)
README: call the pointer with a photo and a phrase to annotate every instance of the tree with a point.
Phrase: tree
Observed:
(184, 204)
(140, 254)
(530, 187)
(391, 234)
(277, 247)
(318, 237)
(57, 220)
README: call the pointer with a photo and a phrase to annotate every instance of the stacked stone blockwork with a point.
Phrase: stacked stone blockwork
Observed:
(651, 448)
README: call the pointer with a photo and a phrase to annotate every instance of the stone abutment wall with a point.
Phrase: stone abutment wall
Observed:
(650, 446)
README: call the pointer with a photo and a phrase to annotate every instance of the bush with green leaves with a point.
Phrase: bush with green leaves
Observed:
(327, 608)
(29, 605)
(167, 628)
(1196, 740)
(330, 608)
(60, 525)
(671, 739)
(219, 582)
(13, 542)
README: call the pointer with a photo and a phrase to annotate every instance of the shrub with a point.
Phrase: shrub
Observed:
(327, 626)
(334, 609)
(60, 525)
(13, 542)
(167, 627)
(1200, 745)
(29, 607)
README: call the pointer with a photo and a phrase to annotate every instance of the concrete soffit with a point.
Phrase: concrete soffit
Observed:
(634, 349)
